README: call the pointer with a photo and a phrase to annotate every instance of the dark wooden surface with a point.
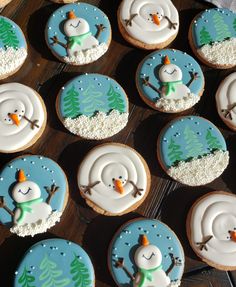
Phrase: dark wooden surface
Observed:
(167, 200)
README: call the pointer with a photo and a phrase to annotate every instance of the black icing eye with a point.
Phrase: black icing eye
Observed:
(120, 177)
(9, 120)
(15, 111)
(20, 191)
(113, 179)
(22, 111)
(8, 114)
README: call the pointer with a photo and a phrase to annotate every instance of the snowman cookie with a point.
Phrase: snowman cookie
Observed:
(23, 117)
(170, 81)
(78, 34)
(56, 263)
(211, 229)
(33, 194)
(146, 253)
(212, 37)
(114, 179)
(226, 101)
(93, 106)
(13, 48)
(148, 24)
(192, 150)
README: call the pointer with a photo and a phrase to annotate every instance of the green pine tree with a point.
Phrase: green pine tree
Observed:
(115, 100)
(174, 154)
(205, 37)
(8, 35)
(234, 24)
(71, 103)
(25, 279)
(50, 274)
(92, 99)
(212, 141)
(80, 273)
(222, 29)
(194, 147)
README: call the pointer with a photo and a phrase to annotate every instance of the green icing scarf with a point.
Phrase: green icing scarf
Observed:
(170, 86)
(26, 207)
(73, 40)
(146, 274)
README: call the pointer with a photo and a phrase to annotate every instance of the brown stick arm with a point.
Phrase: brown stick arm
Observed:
(100, 29)
(137, 191)
(194, 77)
(51, 191)
(172, 25)
(203, 245)
(87, 188)
(146, 82)
(121, 264)
(227, 112)
(55, 41)
(3, 205)
(128, 22)
(175, 261)
(33, 123)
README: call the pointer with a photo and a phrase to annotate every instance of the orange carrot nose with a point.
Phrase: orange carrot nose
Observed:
(155, 19)
(119, 186)
(233, 235)
(15, 119)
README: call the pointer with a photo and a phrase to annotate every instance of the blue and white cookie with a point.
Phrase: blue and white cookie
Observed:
(93, 106)
(55, 262)
(170, 81)
(78, 34)
(192, 150)
(212, 37)
(13, 47)
(144, 253)
(33, 194)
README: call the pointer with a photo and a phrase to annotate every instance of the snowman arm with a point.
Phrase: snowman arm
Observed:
(172, 25)
(175, 261)
(87, 188)
(203, 245)
(227, 112)
(100, 29)
(128, 22)
(145, 82)
(194, 77)
(51, 191)
(137, 191)
(3, 205)
(121, 264)
(55, 41)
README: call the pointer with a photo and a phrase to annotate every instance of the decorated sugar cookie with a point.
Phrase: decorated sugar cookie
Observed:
(93, 106)
(211, 229)
(64, 1)
(23, 117)
(226, 101)
(114, 179)
(33, 194)
(170, 81)
(146, 253)
(78, 34)
(192, 150)
(55, 263)
(212, 36)
(13, 47)
(148, 24)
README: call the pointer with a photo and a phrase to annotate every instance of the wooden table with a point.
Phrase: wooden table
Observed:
(167, 200)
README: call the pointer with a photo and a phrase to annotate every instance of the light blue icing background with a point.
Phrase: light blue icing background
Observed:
(175, 130)
(205, 19)
(92, 14)
(44, 172)
(101, 83)
(33, 259)
(152, 63)
(19, 34)
(126, 242)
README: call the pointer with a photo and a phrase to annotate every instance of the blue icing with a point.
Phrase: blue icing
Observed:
(11, 33)
(41, 170)
(90, 13)
(213, 24)
(150, 66)
(126, 242)
(61, 254)
(92, 93)
(197, 126)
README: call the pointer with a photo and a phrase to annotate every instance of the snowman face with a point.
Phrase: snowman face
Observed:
(25, 191)
(170, 73)
(151, 11)
(76, 27)
(148, 257)
(11, 107)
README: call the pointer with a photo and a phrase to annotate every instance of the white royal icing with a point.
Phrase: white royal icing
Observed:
(148, 257)
(24, 100)
(142, 27)
(215, 215)
(25, 191)
(108, 162)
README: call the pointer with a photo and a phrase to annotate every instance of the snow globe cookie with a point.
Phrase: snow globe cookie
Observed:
(56, 263)
(93, 106)
(33, 194)
(192, 150)
(226, 101)
(212, 37)
(144, 253)
(78, 34)
(23, 117)
(148, 24)
(211, 229)
(13, 47)
(114, 179)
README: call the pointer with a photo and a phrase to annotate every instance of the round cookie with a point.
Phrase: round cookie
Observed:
(114, 179)
(144, 253)
(192, 150)
(212, 37)
(3, 3)
(226, 101)
(13, 48)
(170, 81)
(33, 194)
(55, 262)
(148, 24)
(78, 34)
(211, 229)
(23, 117)
(93, 106)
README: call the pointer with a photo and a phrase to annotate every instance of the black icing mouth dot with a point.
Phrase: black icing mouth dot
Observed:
(150, 257)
